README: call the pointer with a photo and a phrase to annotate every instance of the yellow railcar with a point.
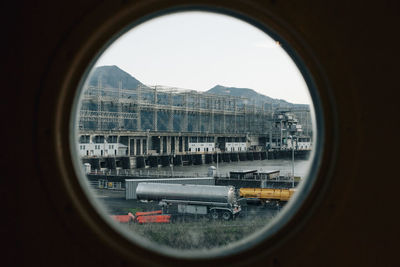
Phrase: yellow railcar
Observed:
(267, 193)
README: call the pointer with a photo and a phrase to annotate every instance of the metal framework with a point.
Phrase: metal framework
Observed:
(169, 109)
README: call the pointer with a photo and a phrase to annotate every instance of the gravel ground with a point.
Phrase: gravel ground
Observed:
(115, 203)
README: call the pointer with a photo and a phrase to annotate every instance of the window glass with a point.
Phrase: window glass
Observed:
(205, 114)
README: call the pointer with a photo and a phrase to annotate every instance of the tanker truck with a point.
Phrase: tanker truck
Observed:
(211, 201)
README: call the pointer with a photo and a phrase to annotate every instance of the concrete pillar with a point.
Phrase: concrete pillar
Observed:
(176, 143)
(161, 145)
(144, 146)
(168, 144)
(132, 148)
(147, 144)
(140, 146)
(155, 118)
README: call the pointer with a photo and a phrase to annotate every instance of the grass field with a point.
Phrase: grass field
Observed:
(200, 234)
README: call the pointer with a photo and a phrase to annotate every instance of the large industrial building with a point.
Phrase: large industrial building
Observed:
(159, 121)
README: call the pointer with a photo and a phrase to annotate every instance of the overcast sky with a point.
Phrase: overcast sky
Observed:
(198, 50)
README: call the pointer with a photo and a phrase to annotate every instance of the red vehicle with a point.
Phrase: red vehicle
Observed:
(124, 218)
(143, 217)
(145, 213)
(152, 217)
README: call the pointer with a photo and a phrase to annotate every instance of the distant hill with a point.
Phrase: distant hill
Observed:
(111, 76)
(252, 95)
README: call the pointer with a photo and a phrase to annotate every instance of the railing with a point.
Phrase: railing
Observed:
(147, 173)
(286, 178)
(172, 174)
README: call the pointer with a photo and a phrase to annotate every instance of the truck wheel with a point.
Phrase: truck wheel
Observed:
(214, 215)
(226, 215)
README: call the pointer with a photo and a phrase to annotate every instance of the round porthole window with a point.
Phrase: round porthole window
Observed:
(195, 134)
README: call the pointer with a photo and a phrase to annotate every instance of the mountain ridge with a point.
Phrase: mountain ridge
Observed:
(111, 75)
(249, 93)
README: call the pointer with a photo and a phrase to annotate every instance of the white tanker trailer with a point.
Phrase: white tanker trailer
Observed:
(183, 199)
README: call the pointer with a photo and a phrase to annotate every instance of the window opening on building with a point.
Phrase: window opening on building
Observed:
(212, 128)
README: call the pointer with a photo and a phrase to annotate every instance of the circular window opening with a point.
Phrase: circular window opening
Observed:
(195, 132)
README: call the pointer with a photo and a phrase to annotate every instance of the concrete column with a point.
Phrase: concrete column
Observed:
(144, 147)
(155, 118)
(147, 145)
(134, 146)
(140, 146)
(168, 144)
(161, 145)
(176, 144)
